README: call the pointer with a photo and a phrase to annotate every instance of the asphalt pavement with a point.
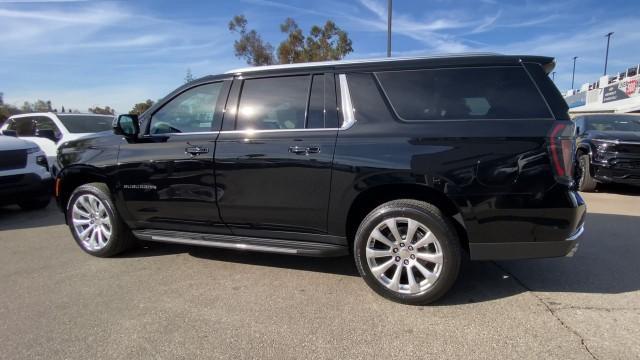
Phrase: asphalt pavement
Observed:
(170, 301)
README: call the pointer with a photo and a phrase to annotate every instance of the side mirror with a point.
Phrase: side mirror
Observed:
(47, 134)
(10, 133)
(126, 125)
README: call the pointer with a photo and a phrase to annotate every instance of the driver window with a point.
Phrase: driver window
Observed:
(191, 111)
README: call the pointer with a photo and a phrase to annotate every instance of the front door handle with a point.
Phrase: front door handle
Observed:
(304, 150)
(196, 150)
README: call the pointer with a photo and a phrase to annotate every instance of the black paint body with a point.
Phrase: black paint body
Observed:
(618, 161)
(494, 177)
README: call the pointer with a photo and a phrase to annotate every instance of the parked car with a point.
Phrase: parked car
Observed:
(24, 174)
(407, 164)
(49, 130)
(608, 150)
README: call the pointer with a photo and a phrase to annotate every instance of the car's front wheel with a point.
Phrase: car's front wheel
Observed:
(95, 224)
(408, 251)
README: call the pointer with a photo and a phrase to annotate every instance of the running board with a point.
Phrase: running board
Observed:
(291, 247)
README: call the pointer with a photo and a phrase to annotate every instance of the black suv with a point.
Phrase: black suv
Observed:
(406, 163)
(608, 150)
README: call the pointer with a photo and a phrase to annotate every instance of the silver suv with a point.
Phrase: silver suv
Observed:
(24, 174)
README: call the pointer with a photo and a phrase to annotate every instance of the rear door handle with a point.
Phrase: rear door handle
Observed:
(304, 150)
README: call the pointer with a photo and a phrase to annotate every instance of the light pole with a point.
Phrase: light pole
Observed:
(606, 56)
(389, 6)
(553, 76)
(573, 75)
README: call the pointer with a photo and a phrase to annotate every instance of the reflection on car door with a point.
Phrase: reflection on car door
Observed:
(167, 179)
(274, 157)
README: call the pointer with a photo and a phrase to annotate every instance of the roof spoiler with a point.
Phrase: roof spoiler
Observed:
(547, 63)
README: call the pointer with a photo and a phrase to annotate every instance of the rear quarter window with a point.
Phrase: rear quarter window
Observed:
(463, 93)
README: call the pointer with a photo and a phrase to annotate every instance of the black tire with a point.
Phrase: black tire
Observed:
(586, 182)
(34, 204)
(121, 237)
(437, 223)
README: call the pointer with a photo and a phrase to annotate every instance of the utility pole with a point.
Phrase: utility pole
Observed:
(606, 56)
(573, 75)
(389, 6)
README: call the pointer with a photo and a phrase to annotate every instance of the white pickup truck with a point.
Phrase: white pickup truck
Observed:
(49, 130)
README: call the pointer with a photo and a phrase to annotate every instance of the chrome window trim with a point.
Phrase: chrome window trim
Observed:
(348, 114)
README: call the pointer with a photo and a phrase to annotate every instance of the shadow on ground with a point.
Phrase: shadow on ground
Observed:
(620, 189)
(606, 262)
(12, 217)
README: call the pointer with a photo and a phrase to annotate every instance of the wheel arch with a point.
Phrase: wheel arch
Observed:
(373, 197)
(72, 177)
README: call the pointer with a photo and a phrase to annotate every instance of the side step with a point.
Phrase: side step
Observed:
(302, 248)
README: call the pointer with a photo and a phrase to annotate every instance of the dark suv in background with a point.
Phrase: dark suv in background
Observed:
(408, 164)
(608, 150)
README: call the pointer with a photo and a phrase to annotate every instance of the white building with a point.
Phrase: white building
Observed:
(611, 94)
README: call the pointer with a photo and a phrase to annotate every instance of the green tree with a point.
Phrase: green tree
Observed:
(250, 46)
(102, 111)
(328, 42)
(62, 110)
(139, 108)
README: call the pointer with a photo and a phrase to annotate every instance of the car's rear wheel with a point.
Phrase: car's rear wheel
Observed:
(586, 182)
(95, 225)
(408, 251)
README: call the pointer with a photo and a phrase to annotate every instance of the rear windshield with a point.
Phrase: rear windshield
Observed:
(463, 93)
(613, 123)
(86, 123)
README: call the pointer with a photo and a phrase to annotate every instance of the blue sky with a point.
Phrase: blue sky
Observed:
(117, 53)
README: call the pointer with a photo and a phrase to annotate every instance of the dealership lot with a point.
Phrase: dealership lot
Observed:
(169, 301)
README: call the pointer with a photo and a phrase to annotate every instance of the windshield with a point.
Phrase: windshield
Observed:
(86, 123)
(614, 123)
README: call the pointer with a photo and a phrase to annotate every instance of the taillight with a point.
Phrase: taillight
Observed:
(561, 148)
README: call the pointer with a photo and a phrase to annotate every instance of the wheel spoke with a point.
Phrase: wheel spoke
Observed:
(412, 226)
(377, 235)
(391, 224)
(105, 232)
(426, 240)
(375, 253)
(413, 285)
(380, 269)
(83, 221)
(79, 212)
(425, 272)
(395, 281)
(84, 233)
(432, 258)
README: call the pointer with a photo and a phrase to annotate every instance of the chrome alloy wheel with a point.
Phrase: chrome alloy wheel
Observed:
(404, 255)
(91, 222)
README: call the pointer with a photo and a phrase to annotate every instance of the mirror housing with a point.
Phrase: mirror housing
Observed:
(10, 133)
(126, 125)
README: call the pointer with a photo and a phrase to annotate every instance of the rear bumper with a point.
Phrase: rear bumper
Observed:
(556, 233)
(526, 250)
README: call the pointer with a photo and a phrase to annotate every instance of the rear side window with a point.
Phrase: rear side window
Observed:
(464, 93)
(273, 103)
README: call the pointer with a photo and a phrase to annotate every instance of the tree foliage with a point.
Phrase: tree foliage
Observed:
(139, 108)
(102, 111)
(328, 42)
(250, 46)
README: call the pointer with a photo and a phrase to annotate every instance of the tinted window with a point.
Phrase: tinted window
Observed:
(23, 126)
(614, 123)
(44, 123)
(191, 111)
(273, 103)
(469, 93)
(86, 123)
(315, 117)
